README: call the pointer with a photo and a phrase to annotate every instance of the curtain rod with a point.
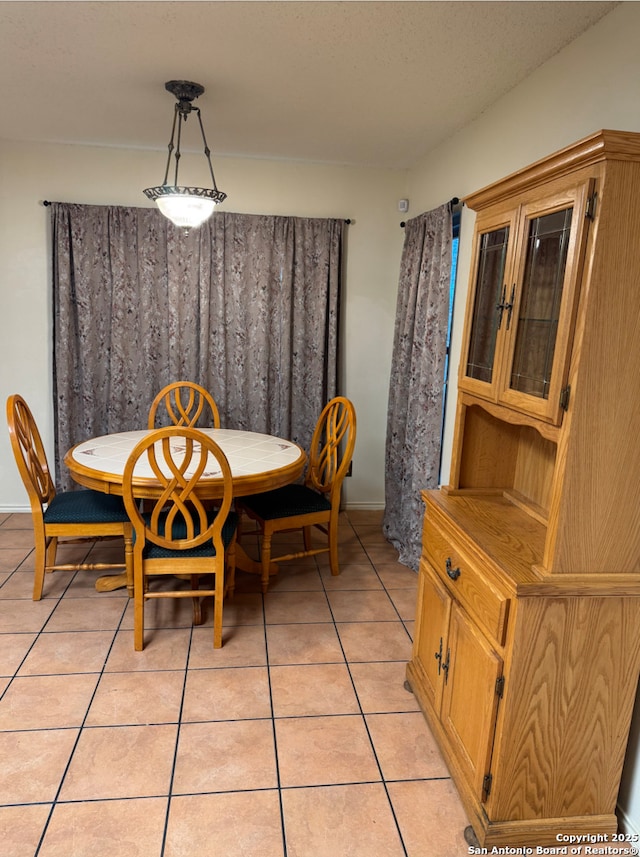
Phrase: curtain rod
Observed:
(453, 201)
(47, 202)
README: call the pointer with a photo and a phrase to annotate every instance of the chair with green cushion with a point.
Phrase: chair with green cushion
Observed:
(71, 515)
(178, 533)
(317, 502)
(184, 403)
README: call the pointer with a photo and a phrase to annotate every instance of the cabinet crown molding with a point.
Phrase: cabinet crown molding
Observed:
(599, 146)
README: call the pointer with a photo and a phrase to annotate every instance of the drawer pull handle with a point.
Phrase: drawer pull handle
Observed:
(453, 573)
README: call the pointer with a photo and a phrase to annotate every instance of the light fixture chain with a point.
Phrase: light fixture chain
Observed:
(207, 150)
(177, 155)
(170, 146)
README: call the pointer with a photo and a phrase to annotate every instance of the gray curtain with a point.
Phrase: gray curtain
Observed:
(246, 305)
(414, 420)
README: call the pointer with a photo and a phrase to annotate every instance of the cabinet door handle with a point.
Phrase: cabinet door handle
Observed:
(509, 306)
(439, 657)
(453, 573)
(502, 305)
(445, 667)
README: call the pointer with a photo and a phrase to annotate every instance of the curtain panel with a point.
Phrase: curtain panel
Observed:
(246, 305)
(414, 418)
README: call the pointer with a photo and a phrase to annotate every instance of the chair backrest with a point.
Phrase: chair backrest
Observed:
(332, 445)
(29, 453)
(178, 456)
(184, 402)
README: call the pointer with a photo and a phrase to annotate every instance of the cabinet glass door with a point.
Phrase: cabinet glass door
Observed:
(539, 309)
(540, 318)
(490, 286)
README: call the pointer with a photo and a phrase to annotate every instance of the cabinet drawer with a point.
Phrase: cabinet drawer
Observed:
(466, 581)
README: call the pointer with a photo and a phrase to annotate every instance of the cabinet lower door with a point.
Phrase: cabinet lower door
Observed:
(430, 649)
(470, 698)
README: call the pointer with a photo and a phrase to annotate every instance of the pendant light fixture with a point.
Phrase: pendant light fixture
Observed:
(187, 207)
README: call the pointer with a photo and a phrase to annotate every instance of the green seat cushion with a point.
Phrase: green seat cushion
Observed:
(85, 507)
(153, 551)
(286, 502)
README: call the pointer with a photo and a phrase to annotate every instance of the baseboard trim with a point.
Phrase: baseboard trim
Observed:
(15, 510)
(627, 824)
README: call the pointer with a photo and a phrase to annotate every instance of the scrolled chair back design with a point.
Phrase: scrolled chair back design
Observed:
(29, 451)
(332, 445)
(184, 403)
(178, 457)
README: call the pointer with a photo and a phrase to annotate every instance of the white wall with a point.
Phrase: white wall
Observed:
(30, 173)
(590, 85)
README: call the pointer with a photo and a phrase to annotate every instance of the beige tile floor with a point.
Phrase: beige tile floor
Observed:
(296, 739)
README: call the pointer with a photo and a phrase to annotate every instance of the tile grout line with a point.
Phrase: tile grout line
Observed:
(54, 802)
(170, 794)
(273, 731)
(42, 629)
(366, 725)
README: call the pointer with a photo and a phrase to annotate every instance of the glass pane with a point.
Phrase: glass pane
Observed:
(540, 305)
(489, 283)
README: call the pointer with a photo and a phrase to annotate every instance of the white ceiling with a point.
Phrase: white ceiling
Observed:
(372, 83)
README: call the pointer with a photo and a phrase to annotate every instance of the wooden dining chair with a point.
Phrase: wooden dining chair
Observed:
(177, 533)
(183, 403)
(316, 503)
(70, 515)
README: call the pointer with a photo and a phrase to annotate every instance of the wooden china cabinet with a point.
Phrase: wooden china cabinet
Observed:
(527, 645)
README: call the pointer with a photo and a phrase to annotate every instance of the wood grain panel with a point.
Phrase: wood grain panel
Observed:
(490, 451)
(598, 508)
(568, 704)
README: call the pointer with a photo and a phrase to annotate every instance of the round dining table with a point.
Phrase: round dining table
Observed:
(258, 462)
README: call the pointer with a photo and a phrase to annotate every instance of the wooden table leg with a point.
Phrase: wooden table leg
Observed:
(111, 581)
(245, 563)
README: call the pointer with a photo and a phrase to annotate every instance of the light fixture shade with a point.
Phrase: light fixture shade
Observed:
(186, 207)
